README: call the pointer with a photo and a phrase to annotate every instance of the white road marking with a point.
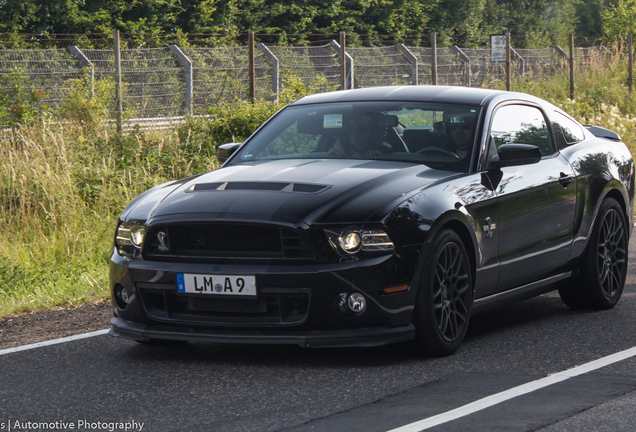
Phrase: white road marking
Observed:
(514, 392)
(53, 342)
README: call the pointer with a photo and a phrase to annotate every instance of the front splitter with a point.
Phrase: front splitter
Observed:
(363, 337)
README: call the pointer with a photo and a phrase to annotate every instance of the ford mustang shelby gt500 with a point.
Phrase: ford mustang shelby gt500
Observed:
(372, 216)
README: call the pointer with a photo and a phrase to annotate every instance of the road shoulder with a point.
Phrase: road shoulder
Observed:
(52, 324)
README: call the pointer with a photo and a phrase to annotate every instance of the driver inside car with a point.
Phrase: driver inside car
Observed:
(459, 133)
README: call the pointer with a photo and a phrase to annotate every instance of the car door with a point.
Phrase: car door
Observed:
(536, 202)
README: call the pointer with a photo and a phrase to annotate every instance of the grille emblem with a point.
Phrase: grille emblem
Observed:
(161, 236)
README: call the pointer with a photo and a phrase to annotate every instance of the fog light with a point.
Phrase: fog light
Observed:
(123, 296)
(357, 303)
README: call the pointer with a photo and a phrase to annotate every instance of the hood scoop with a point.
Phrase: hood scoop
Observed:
(307, 188)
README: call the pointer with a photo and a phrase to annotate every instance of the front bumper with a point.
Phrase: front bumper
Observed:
(362, 337)
(295, 305)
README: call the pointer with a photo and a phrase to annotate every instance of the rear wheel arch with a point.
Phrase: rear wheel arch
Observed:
(618, 196)
(611, 191)
(603, 269)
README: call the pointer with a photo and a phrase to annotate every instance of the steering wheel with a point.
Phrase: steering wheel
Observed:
(439, 150)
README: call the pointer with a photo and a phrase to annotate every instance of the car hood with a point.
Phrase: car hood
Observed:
(288, 191)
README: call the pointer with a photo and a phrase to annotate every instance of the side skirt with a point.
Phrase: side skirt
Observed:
(518, 294)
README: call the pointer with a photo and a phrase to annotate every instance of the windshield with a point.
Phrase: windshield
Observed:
(441, 136)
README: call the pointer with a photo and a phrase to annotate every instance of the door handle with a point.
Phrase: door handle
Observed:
(565, 180)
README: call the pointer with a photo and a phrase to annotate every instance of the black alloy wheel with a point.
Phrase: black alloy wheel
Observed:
(611, 254)
(445, 296)
(604, 268)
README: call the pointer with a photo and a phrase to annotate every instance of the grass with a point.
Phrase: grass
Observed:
(63, 182)
(61, 192)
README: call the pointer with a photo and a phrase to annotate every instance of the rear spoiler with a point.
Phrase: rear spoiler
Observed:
(603, 133)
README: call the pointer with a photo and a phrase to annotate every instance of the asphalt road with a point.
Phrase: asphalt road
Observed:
(100, 383)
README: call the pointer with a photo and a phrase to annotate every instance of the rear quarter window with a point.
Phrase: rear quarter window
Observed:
(522, 124)
(566, 130)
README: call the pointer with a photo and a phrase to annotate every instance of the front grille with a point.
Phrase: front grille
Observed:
(224, 240)
(201, 304)
(274, 306)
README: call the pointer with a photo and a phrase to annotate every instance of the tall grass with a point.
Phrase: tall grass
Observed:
(65, 179)
(60, 195)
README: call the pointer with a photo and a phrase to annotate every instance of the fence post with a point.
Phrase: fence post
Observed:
(466, 60)
(413, 60)
(343, 61)
(252, 66)
(434, 58)
(572, 66)
(119, 105)
(349, 65)
(630, 77)
(86, 63)
(187, 65)
(275, 68)
(508, 69)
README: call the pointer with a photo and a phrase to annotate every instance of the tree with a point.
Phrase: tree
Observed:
(620, 19)
(590, 18)
(467, 22)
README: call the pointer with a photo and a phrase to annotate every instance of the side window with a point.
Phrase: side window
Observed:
(521, 124)
(566, 131)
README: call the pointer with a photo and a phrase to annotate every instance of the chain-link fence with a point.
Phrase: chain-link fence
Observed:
(175, 81)
(45, 70)
(152, 79)
(315, 67)
(221, 74)
(381, 66)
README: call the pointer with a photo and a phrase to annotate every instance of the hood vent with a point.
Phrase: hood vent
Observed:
(307, 188)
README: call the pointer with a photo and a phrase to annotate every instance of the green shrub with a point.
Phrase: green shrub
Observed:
(19, 104)
(86, 105)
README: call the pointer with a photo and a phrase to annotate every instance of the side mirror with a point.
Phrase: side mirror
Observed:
(515, 155)
(224, 151)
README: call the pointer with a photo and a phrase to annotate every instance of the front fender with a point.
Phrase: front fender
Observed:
(463, 224)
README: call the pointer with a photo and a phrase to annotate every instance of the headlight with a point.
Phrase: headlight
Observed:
(129, 238)
(353, 240)
(350, 241)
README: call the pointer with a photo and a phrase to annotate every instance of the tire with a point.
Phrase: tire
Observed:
(445, 296)
(604, 267)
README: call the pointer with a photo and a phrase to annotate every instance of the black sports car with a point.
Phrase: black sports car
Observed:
(372, 216)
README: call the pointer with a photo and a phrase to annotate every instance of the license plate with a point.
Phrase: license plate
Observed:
(216, 284)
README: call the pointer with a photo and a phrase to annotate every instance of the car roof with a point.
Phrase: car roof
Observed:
(419, 93)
